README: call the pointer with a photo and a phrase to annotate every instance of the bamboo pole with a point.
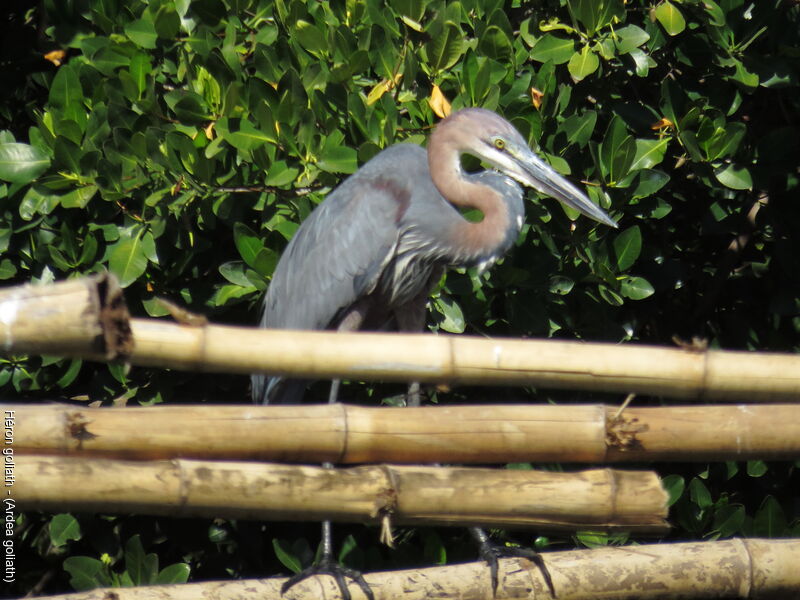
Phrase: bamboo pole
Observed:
(745, 569)
(78, 317)
(346, 434)
(463, 359)
(676, 372)
(599, 498)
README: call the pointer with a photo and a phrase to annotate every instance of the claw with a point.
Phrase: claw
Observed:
(491, 553)
(327, 566)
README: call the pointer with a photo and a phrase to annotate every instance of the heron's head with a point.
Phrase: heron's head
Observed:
(491, 138)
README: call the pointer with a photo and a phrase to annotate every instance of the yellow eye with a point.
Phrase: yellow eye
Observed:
(499, 143)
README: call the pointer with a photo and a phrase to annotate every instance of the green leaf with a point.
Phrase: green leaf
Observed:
(728, 520)
(7, 269)
(287, 559)
(583, 63)
(734, 176)
(649, 153)
(670, 18)
(579, 128)
(596, 14)
(311, 37)
(636, 288)
(243, 135)
(699, 494)
(647, 183)
(177, 573)
(561, 285)
(445, 49)
(64, 527)
(252, 250)
(756, 468)
(617, 151)
(769, 520)
(86, 573)
(141, 568)
(627, 247)
(339, 159)
(142, 32)
(127, 259)
(495, 44)
(674, 485)
(553, 48)
(452, 316)
(629, 38)
(21, 163)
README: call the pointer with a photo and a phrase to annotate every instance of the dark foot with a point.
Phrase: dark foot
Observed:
(327, 566)
(491, 553)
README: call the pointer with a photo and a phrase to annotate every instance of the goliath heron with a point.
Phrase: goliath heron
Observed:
(367, 256)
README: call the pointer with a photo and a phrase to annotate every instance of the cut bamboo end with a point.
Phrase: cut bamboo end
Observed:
(78, 317)
(742, 569)
(596, 499)
(347, 434)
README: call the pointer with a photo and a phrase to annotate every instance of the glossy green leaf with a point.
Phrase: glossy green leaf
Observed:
(596, 14)
(583, 63)
(728, 520)
(579, 128)
(287, 559)
(452, 316)
(310, 37)
(699, 494)
(629, 38)
(127, 259)
(553, 48)
(636, 288)
(649, 153)
(173, 574)
(495, 44)
(63, 528)
(446, 48)
(21, 163)
(627, 247)
(670, 17)
(142, 32)
(674, 485)
(86, 573)
(770, 519)
(339, 160)
(734, 176)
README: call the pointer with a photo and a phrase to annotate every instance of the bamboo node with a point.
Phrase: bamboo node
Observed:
(76, 428)
(114, 318)
(384, 506)
(622, 432)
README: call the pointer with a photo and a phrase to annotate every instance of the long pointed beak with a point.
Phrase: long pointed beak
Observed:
(542, 177)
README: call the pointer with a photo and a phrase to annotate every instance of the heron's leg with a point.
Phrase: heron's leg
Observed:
(327, 564)
(491, 553)
(411, 319)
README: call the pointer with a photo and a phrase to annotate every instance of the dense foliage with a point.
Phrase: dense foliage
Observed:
(178, 143)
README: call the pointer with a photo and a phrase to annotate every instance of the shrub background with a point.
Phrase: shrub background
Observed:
(178, 143)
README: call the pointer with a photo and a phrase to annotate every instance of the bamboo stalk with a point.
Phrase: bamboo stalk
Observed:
(676, 372)
(347, 434)
(746, 569)
(599, 498)
(463, 359)
(77, 317)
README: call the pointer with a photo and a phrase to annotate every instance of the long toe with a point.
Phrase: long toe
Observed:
(339, 573)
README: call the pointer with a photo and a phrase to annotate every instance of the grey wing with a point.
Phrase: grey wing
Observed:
(335, 257)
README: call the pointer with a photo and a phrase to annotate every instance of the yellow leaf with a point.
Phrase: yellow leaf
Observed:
(663, 123)
(381, 88)
(56, 57)
(439, 104)
(209, 130)
(536, 98)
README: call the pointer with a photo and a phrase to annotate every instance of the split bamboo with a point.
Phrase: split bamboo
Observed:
(77, 317)
(596, 499)
(746, 569)
(345, 434)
